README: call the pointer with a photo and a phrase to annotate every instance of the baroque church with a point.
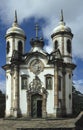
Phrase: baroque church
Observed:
(39, 84)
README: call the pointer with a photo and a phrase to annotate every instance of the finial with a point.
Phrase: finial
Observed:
(15, 20)
(37, 29)
(15, 23)
(61, 18)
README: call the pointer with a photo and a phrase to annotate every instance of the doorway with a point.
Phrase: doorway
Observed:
(39, 108)
(36, 106)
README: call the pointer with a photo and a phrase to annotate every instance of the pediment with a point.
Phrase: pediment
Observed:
(57, 54)
(35, 55)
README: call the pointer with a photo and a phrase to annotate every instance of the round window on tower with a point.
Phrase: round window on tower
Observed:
(56, 44)
(8, 47)
(68, 46)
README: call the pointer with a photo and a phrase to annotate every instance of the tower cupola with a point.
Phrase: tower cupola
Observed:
(37, 43)
(15, 29)
(62, 39)
(15, 40)
(61, 28)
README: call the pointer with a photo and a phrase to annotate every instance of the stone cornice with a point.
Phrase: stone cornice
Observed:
(6, 67)
(15, 34)
(60, 63)
(62, 33)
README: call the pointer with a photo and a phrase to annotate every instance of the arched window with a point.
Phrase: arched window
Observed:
(8, 47)
(68, 46)
(20, 46)
(56, 44)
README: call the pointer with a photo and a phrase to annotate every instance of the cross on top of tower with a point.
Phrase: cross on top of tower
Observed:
(15, 23)
(15, 19)
(61, 18)
(36, 29)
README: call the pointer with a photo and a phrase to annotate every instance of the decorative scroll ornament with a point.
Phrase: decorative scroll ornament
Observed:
(36, 86)
(36, 66)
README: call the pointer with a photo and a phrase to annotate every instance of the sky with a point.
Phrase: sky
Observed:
(47, 14)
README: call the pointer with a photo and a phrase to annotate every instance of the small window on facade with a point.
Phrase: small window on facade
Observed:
(24, 82)
(59, 83)
(20, 46)
(8, 47)
(68, 46)
(56, 44)
(48, 82)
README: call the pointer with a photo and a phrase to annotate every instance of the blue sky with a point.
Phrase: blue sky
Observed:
(47, 14)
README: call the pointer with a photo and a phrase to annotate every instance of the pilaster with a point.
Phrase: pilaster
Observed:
(56, 101)
(28, 105)
(16, 92)
(12, 83)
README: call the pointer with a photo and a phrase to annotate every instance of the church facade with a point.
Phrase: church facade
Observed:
(39, 84)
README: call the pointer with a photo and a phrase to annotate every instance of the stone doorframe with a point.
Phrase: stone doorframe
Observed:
(44, 100)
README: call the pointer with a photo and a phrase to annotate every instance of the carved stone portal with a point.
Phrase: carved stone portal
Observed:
(36, 99)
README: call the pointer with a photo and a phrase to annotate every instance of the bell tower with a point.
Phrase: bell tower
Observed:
(62, 42)
(15, 40)
(62, 39)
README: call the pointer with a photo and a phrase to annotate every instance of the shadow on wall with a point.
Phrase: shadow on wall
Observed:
(2, 104)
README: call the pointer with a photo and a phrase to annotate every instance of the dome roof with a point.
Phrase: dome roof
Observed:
(61, 27)
(15, 28)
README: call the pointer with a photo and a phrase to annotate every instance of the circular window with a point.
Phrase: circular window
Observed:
(68, 46)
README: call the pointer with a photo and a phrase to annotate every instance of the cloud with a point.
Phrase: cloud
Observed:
(79, 85)
(2, 85)
(49, 10)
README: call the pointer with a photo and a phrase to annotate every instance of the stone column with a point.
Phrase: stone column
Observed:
(16, 91)
(56, 102)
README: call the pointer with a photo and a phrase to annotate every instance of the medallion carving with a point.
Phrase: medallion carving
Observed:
(36, 66)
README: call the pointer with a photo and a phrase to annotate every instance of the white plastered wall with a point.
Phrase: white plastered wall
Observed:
(25, 70)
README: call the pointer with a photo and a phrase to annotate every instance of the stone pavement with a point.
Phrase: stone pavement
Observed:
(17, 124)
(36, 123)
